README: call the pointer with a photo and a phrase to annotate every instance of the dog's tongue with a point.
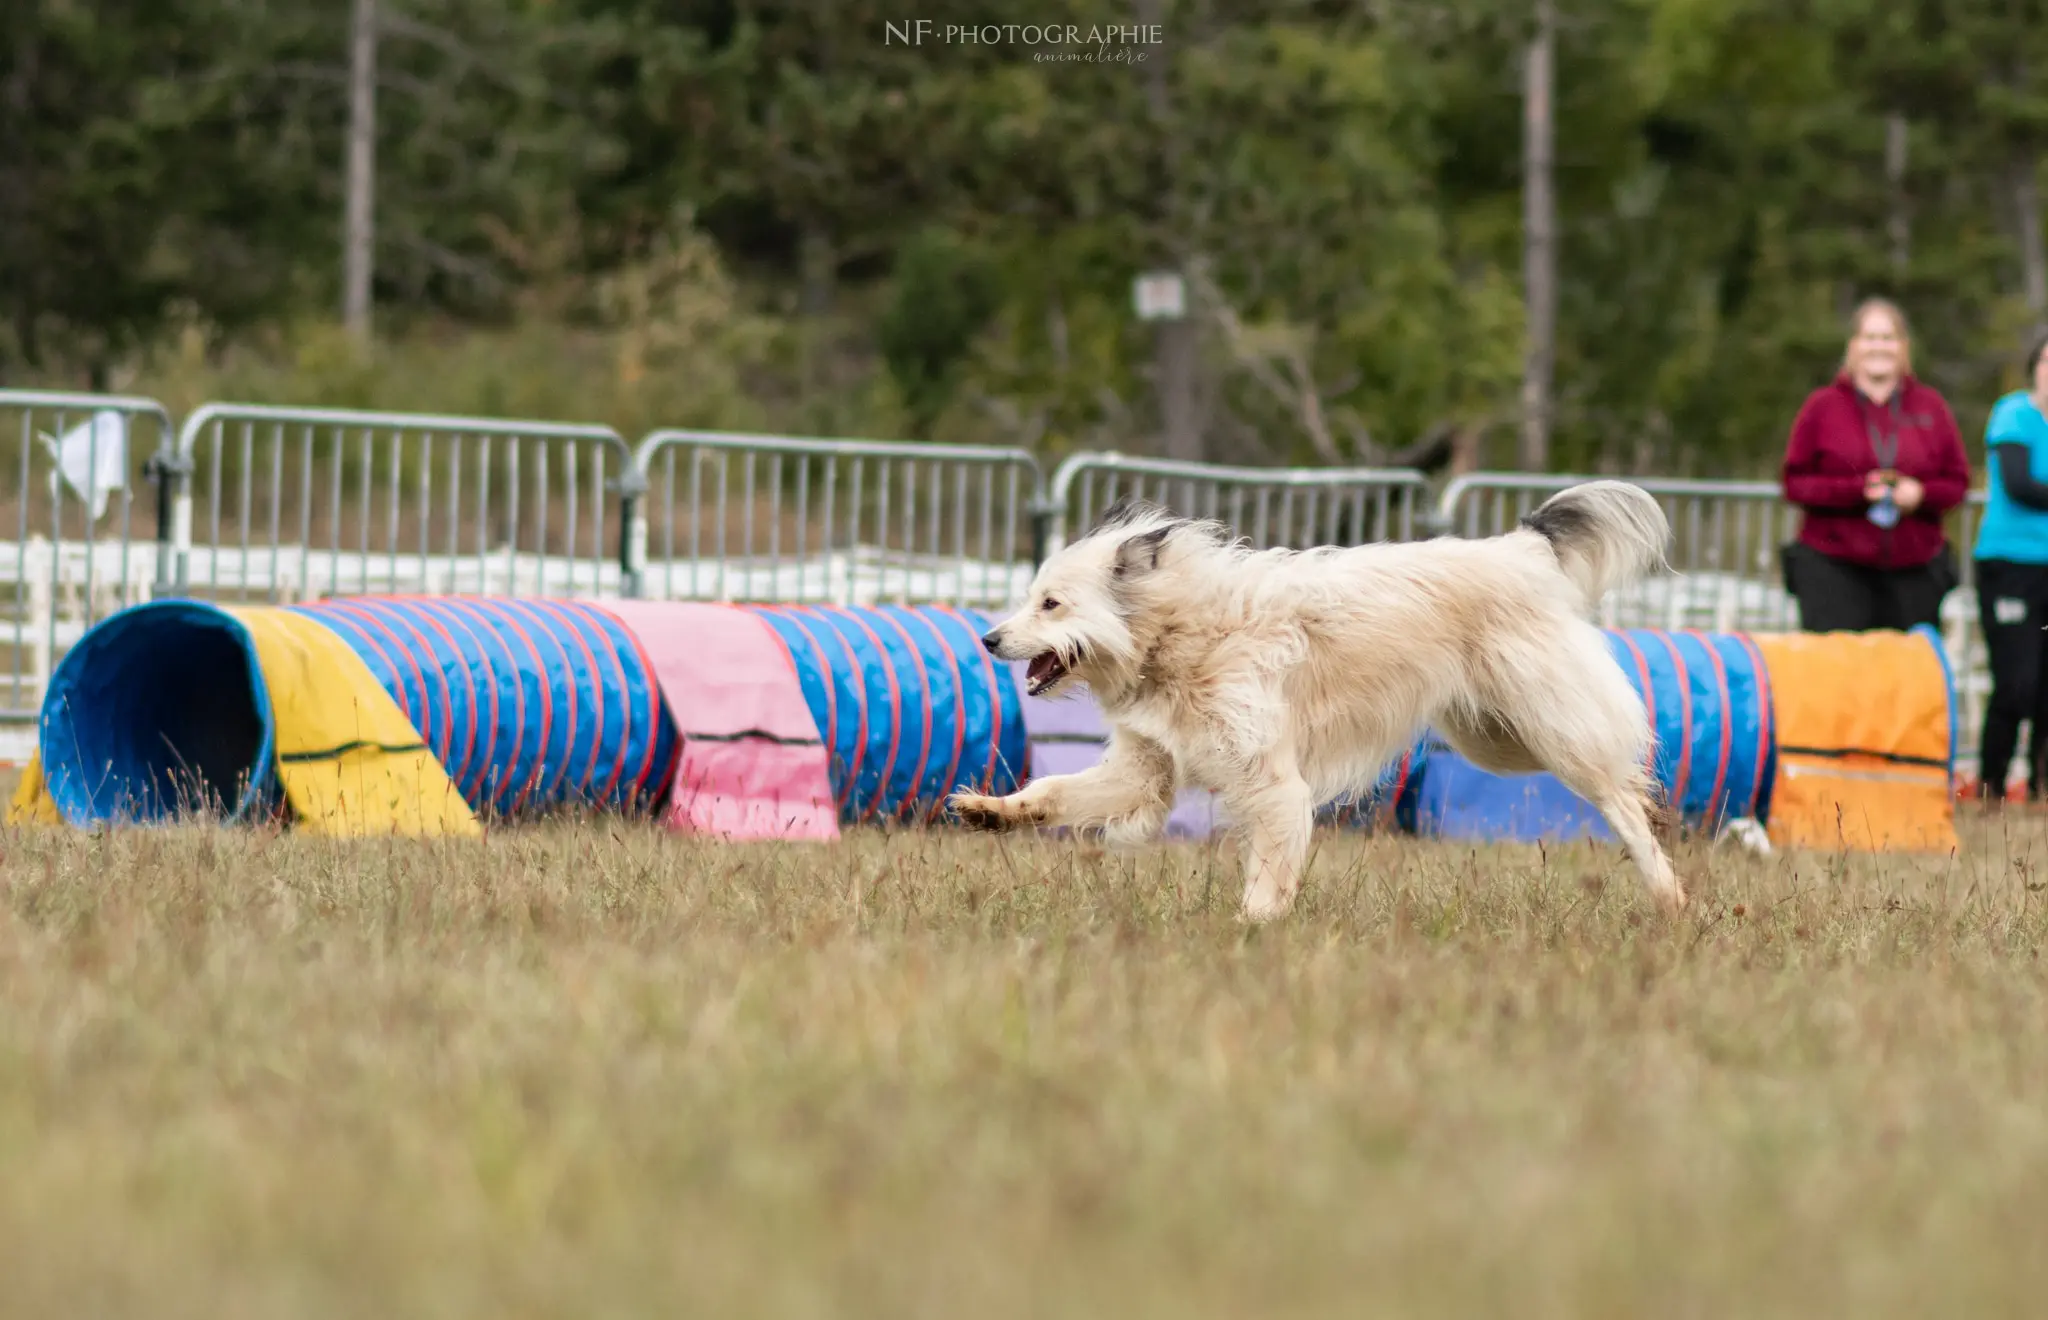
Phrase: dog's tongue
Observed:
(1042, 666)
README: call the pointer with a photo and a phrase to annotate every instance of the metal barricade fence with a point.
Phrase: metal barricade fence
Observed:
(283, 503)
(1293, 507)
(77, 546)
(1726, 541)
(1725, 537)
(762, 518)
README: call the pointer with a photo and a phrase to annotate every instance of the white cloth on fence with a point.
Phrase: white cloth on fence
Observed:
(92, 458)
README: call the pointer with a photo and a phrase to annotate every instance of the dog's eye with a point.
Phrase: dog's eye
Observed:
(1050, 604)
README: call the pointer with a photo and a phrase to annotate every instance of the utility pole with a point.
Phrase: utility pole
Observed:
(1898, 224)
(1539, 239)
(2024, 171)
(359, 218)
(1176, 337)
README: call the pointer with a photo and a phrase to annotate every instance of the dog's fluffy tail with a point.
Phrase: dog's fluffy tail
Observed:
(1606, 534)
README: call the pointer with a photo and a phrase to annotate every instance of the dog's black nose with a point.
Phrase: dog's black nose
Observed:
(992, 639)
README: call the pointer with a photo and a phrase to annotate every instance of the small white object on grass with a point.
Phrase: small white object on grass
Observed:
(1746, 831)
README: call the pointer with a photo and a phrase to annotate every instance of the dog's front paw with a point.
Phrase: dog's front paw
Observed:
(1262, 905)
(981, 812)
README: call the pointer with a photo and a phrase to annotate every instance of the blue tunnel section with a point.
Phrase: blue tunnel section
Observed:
(1948, 678)
(908, 703)
(1391, 799)
(528, 704)
(1709, 701)
(159, 711)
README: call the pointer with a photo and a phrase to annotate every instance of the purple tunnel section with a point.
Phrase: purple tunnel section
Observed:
(1068, 735)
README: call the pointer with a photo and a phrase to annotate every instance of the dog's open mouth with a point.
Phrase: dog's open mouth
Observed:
(1046, 669)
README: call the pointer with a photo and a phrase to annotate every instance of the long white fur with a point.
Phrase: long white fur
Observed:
(1280, 679)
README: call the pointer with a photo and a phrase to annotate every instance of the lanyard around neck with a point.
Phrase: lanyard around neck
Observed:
(1885, 448)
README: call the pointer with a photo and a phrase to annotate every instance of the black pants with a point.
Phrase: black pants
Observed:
(2012, 604)
(1835, 596)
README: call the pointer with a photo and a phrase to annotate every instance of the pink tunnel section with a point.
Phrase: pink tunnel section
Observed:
(752, 764)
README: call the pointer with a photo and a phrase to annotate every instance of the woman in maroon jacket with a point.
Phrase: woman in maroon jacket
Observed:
(1874, 462)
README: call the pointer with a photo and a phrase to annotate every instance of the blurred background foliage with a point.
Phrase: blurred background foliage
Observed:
(758, 215)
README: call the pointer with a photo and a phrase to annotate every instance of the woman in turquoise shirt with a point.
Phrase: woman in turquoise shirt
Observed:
(2012, 579)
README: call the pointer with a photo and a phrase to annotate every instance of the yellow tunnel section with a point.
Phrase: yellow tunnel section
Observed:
(346, 760)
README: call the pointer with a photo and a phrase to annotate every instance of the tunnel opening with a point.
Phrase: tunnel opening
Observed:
(159, 713)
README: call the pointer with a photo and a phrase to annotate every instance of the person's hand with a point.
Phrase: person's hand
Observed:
(1907, 494)
(1874, 485)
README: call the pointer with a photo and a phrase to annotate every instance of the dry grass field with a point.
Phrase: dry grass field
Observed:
(598, 1071)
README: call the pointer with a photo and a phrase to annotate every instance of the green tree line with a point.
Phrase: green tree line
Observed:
(747, 213)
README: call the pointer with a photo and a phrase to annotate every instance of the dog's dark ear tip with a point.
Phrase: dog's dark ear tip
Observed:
(1128, 555)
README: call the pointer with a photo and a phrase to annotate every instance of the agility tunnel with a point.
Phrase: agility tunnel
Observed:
(366, 715)
(1709, 699)
(432, 715)
(418, 714)
(1830, 740)
(909, 703)
(1866, 731)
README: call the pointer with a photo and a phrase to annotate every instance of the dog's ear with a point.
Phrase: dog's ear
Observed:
(1140, 554)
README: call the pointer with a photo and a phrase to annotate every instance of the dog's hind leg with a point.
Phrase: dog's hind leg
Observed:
(1275, 811)
(1621, 795)
(1626, 806)
(1128, 795)
(1582, 721)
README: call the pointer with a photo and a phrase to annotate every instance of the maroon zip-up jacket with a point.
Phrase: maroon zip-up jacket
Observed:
(1831, 451)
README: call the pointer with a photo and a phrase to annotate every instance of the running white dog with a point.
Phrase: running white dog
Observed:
(1280, 679)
